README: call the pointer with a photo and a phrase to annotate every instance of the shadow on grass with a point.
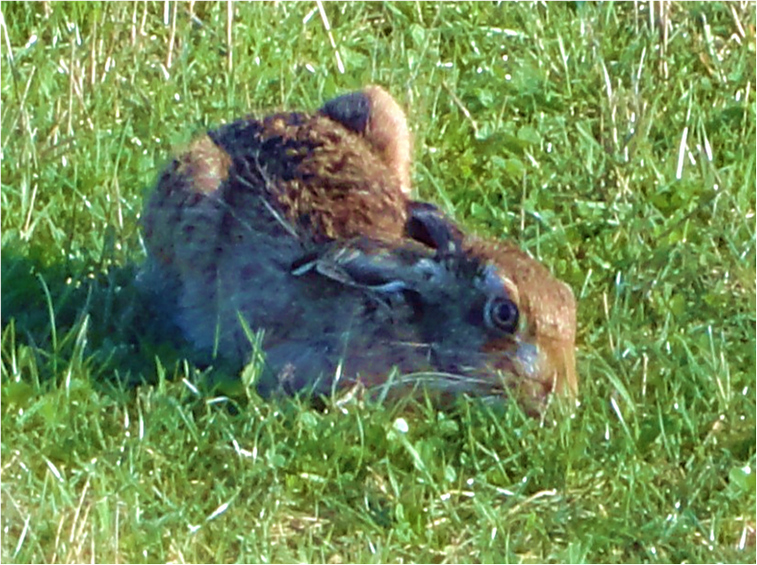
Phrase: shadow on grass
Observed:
(93, 320)
(80, 312)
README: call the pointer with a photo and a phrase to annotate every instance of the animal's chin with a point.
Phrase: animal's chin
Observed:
(517, 372)
(491, 386)
(436, 381)
(442, 389)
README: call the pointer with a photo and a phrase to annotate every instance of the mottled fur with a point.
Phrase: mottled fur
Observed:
(291, 223)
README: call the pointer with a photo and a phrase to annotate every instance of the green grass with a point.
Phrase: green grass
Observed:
(615, 144)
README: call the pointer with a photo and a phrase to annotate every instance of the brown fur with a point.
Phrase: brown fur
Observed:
(271, 189)
(548, 305)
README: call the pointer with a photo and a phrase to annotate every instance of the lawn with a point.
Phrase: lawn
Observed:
(613, 141)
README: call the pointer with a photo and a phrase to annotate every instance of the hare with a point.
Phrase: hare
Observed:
(302, 225)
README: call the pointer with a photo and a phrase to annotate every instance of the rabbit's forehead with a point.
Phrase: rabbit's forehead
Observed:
(493, 281)
(431, 269)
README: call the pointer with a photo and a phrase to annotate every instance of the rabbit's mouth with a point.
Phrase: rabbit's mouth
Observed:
(453, 374)
(445, 387)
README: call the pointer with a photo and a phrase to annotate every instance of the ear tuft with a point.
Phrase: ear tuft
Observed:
(428, 225)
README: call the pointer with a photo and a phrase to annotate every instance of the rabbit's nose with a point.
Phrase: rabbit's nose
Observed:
(527, 359)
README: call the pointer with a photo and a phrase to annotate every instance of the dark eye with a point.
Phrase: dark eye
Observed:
(502, 313)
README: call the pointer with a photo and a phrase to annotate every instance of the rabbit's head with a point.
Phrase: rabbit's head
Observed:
(546, 306)
(460, 315)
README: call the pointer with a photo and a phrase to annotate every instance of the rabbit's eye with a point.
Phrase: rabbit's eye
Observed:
(502, 313)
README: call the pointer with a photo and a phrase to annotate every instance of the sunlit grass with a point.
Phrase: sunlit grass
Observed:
(616, 142)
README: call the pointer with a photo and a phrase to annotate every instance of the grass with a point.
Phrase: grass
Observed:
(616, 142)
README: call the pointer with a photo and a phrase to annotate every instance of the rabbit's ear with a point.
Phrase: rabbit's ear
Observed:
(428, 225)
(368, 264)
(353, 271)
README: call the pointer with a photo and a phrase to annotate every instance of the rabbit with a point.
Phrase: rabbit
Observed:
(302, 225)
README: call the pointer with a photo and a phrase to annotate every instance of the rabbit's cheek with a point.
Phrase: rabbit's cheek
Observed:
(519, 359)
(505, 346)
